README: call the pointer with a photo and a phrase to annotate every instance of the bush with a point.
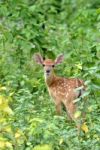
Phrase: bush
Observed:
(28, 119)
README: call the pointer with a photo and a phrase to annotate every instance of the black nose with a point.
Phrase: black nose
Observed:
(47, 71)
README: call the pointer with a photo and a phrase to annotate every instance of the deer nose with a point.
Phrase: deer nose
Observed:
(47, 71)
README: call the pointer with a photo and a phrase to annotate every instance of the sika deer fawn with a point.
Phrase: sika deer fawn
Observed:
(61, 89)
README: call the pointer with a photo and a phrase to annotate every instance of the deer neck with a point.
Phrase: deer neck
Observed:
(49, 80)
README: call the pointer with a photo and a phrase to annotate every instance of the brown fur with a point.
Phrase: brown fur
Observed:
(61, 89)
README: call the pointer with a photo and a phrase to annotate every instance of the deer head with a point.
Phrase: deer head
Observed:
(48, 64)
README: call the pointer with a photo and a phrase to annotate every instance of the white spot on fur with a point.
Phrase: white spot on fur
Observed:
(66, 95)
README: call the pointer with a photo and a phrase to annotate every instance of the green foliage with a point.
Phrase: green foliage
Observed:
(51, 27)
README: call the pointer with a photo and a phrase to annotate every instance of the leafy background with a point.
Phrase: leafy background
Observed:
(27, 114)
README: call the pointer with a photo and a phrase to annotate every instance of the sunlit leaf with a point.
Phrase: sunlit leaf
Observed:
(11, 94)
(3, 88)
(77, 114)
(84, 127)
(2, 120)
(43, 147)
(1, 101)
(8, 144)
(90, 108)
(18, 134)
(4, 106)
(79, 66)
(2, 144)
(61, 141)
(8, 129)
(8, 110)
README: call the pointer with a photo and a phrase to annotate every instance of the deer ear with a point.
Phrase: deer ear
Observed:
(38, 58)
(59, 59)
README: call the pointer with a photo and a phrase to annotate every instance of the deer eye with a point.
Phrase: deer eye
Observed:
(53, 66)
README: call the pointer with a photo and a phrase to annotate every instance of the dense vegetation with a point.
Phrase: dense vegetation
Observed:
(27, 114)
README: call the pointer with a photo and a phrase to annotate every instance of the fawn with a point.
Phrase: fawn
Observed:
(61, 89)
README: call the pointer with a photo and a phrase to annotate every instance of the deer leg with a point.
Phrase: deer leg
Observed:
(71, 111)
(70, 108)
(78, 121)
(68, 114)
(58, 109)
(65, 108)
